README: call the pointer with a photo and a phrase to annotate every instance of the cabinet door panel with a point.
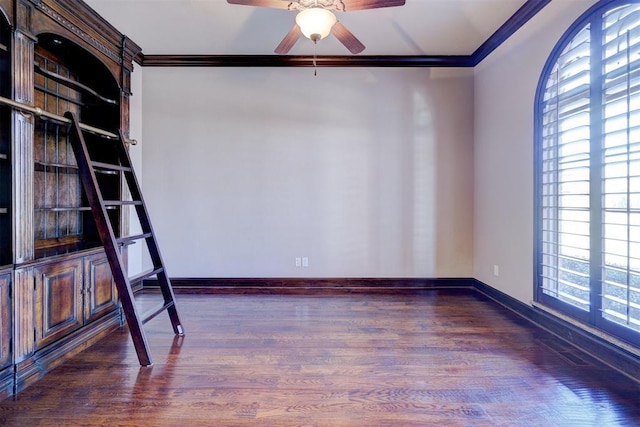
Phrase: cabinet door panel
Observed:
(101, 296)
(58, 300)
(5, 320)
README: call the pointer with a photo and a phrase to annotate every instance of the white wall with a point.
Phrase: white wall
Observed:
(368, 172)
(505, 85)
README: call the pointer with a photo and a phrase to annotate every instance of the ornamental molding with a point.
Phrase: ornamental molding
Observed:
(115, 56)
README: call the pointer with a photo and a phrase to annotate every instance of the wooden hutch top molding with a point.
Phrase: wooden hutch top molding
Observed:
(76, 21)
(101, 46)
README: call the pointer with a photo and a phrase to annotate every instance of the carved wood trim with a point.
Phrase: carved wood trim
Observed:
(23, 311)
(23, 51)
(5, 319)
(23, 17)
(23, 188)
(66, 23)
(23, 129)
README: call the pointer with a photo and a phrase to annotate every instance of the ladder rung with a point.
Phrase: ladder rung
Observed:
(144, 275)
(110, 166)
(154, 312)
(127, 239)
(122, 202)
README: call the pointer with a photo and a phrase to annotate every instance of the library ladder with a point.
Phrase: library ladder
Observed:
(112, 244)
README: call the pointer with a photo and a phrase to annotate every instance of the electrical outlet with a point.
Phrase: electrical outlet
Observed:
(305, 261)
(298, 261)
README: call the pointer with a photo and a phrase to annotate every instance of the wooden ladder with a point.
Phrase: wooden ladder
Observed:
(112, 244)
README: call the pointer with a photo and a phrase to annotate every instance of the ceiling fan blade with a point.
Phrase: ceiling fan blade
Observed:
(289, 40)
(347, 38)
(276, 4)
(350, 5)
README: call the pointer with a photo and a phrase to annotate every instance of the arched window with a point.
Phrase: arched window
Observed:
(587, 123)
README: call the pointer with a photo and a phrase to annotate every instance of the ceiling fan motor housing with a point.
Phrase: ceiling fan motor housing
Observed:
(315, 22)
(321, 19)
(325, 4)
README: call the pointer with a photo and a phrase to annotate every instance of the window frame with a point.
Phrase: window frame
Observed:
(593, 17)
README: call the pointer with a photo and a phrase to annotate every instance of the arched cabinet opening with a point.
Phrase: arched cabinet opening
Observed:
(68, 78)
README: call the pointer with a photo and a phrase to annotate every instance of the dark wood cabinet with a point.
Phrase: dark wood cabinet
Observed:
(100, 295)
(70, 295)
(56, 291)
(58, 309)
(6, 257)
(6, 368)
(5, 319)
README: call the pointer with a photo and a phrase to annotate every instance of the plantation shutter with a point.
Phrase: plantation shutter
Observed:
(621, 167)
(565, 177)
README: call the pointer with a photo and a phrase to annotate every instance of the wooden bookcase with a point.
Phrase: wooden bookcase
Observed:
(6, 253)
(57, 295)
(6, 257)
(64, 77)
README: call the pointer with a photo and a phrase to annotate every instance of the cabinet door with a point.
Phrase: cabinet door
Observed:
(5, 320)
(100, 296)
(58, 300)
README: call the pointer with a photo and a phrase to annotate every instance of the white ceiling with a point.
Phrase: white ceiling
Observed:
(214, 27)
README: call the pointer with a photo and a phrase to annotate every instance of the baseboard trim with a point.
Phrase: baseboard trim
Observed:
(309, 285)
(616, 357)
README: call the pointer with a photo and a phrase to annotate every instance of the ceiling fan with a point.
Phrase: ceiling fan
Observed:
(316, 19)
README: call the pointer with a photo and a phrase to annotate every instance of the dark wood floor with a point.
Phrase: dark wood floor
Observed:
(422, 358)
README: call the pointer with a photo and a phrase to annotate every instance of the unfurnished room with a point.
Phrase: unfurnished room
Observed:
(320, 212)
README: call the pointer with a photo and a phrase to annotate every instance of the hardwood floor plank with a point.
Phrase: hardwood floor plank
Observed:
(419, 358)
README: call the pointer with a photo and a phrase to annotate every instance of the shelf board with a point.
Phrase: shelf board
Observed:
(64, 248)
(72, 84)
(56, 167)
(58, 95)
(70, 209)
(51, 167)
(64, 209)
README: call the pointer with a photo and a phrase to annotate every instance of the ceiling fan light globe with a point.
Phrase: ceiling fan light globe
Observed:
(315, 23)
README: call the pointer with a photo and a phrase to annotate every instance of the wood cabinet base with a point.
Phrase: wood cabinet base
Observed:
(6, 382)
(42, 361)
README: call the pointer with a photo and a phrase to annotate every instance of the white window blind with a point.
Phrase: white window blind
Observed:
(588, 184)
(621, 167)
(565, 175)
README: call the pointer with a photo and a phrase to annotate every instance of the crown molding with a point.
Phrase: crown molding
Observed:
(527, 11)
(304, 61)
(513, 24)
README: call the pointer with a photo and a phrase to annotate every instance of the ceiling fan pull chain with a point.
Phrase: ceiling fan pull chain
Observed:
(315, 66)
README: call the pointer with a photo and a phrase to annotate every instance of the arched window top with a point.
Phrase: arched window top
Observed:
(613, 19)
